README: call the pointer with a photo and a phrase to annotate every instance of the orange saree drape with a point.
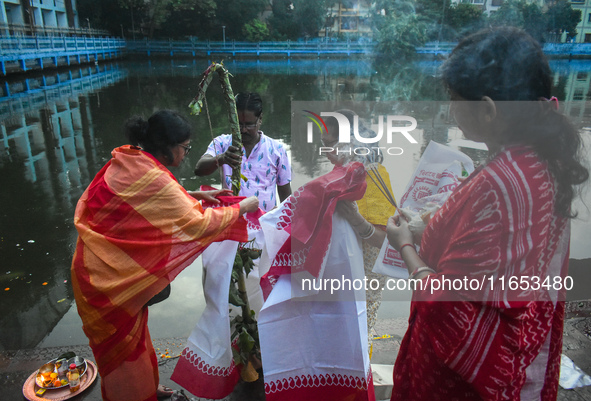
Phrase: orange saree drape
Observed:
(138, 228)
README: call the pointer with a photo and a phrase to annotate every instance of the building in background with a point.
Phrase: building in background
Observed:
(351, 19)
(38, 17)
(584, 27)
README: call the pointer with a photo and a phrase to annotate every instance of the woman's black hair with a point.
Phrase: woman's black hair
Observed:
(162, 131)
(249, 101)
(508, 65)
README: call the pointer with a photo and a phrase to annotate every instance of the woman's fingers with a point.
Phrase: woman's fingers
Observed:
(404, 213)
(398, 232)
(210, 196)
(392, 222)
(350, 211)
(223, 192)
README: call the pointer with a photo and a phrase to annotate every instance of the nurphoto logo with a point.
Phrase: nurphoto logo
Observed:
(390, 125)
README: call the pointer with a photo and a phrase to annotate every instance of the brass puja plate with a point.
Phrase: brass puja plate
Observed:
(48, 384)
(31, 388)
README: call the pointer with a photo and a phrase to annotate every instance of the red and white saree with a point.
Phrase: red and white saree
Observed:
(138, 229)
(490, 343)
(314, 343)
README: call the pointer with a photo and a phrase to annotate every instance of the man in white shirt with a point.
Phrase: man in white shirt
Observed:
(264, 160)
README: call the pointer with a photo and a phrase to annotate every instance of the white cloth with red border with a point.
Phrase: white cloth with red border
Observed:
(314, 342)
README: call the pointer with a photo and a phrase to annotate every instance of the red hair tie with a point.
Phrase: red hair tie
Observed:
(552, 99)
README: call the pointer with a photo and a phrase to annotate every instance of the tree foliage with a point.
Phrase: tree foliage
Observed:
(509, 14)
(434, 10)
(465, 18)
(109, 15)
(433, 13)
(293, 19)
(561, 17)
(399, 25)
(533, 20)
(149, 18)
(234, 14)
(283, 22)
(137, 10)
(398, 30)
(190, 18)
(255, 31)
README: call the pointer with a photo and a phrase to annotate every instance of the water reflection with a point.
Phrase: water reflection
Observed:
(47, 156)
(57, 130)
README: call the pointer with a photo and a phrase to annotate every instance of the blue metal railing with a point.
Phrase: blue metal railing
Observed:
(23, 53)
(234, 48)
(286, 48)
(50, 44)
(32, 52)
(564, 49)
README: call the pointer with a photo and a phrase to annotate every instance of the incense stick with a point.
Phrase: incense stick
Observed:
(381, 184)
(384, 186)
(382, 191)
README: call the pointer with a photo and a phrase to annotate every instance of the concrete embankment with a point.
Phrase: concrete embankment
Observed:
(17, 365)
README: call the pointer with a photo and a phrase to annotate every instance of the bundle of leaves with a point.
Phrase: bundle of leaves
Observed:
(245, 332)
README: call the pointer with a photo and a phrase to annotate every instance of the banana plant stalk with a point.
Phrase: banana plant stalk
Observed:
(196, 107)
(246, 331)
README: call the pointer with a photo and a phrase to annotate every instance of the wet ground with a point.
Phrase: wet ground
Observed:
(16, 366)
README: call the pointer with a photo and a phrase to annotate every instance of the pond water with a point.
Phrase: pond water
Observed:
(58, 129)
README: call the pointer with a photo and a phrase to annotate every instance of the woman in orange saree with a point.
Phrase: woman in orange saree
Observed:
(138, 229)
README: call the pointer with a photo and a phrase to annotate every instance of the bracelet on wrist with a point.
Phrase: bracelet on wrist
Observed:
(419, 270)
(369, 232)
(407, 244)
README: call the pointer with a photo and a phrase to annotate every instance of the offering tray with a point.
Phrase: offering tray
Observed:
(30, 387)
